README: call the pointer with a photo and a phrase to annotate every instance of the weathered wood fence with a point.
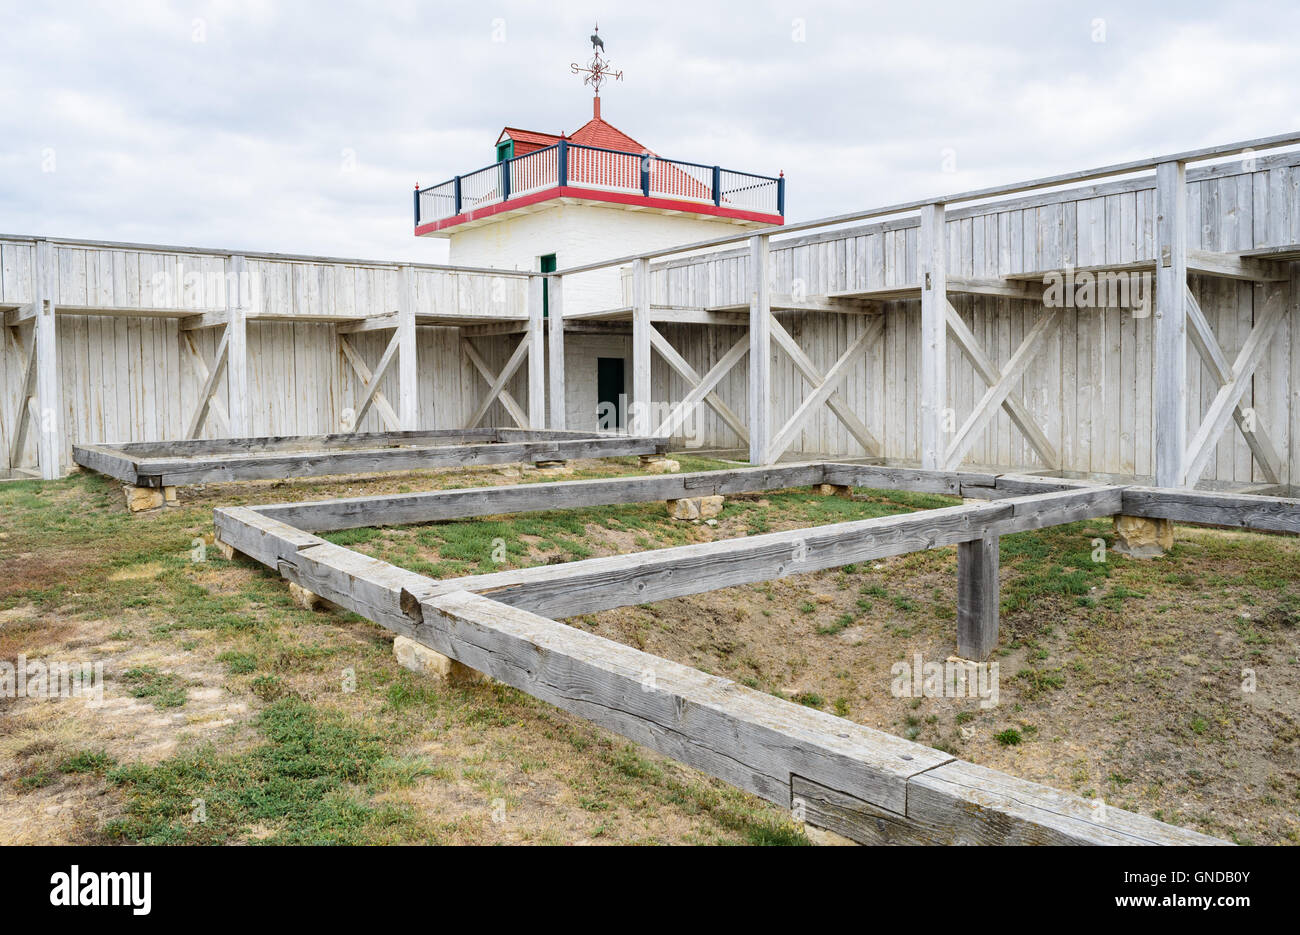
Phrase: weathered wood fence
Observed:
(921, 333)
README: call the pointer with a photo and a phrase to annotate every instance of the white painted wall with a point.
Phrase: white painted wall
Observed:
(578, 234)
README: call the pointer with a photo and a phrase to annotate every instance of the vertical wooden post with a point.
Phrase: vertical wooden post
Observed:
(237, 281)
(1291, 474)
(45, 351)
(760, 350)
(536, 338)
(932, 268)
(1170, 364)
(408, 382)
(640, 417)
(977, 597)
(555, 348)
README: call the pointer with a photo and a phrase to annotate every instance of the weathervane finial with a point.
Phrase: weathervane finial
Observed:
(598, 70)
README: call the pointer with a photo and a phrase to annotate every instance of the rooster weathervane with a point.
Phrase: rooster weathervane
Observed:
(598, 70)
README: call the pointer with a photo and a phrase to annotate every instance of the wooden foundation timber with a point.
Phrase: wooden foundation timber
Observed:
(860, 783)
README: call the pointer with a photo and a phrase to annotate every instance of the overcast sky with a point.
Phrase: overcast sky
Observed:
(302, 127)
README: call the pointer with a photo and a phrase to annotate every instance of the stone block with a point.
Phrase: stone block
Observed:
(1140, 537)
(424, 661)
(139, 499)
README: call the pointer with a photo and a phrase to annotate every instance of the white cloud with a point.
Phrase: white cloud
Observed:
(238, 140)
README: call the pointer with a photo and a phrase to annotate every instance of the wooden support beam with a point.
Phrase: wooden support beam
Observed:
(867, 784)
(823, 387)
(1235, 266)
(834, 304)
(760, 349)
(1012, 403)
(20, 314)
(1229, 396)
(989, 405)
(1170, 364)
(171, 464)
(493, 331)
(680, 412)
(386, 322)
(748, 738)
(597, 584)
(1207, 346)
(1292, 463)
(45, 355)
(977, 597)
(507, 399)
(372, 385)
(933, 365)
(211, 379)
(408, 368)
(435, 505)
(536, 339)
(1212, 508)
(213, 318)
(23, 410)
(498, 385)
(641, 411)
(237, 347)
(555, 352)
(386, 411)
(1004, 287)
(835, 401)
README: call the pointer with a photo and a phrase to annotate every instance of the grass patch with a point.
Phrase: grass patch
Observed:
(163, 689)
(306, 785)
(1009, 737)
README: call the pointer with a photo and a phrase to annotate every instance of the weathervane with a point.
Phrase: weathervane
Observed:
(598, 69)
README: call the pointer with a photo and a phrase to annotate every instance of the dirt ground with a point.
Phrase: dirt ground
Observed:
(231, 716)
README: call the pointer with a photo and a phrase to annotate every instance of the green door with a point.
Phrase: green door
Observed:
(609, 392)
(548, 266)
(505, 150)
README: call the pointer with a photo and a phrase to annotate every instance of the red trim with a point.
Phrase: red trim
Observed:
(618, 198)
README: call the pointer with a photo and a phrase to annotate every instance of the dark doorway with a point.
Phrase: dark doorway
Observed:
(548, 266)
(610, 389)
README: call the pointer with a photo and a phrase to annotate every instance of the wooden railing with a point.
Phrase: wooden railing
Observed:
(570, 164)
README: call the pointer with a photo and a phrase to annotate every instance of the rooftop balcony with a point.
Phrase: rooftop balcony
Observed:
(589, 173)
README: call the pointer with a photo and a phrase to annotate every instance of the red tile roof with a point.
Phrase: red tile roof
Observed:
(596, 132)
(528, 136)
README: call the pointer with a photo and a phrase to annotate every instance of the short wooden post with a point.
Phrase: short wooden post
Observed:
(640, 416)
(977, 597)
(555, 348)
(237, 348)
(536, 339)
(932, 268)
(408, 392)
(760, 350)
(45, 354)
(1170, 366)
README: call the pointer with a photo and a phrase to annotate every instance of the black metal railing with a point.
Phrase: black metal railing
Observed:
(567, 164)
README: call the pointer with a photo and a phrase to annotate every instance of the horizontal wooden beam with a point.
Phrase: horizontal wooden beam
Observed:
(432, 506)
(119, 311)
(617, 581)
(861, 782)
(1211, 508)
(1235, 266)
(385, 322)
(1006, 287)
(19, 314)
(169, 464)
